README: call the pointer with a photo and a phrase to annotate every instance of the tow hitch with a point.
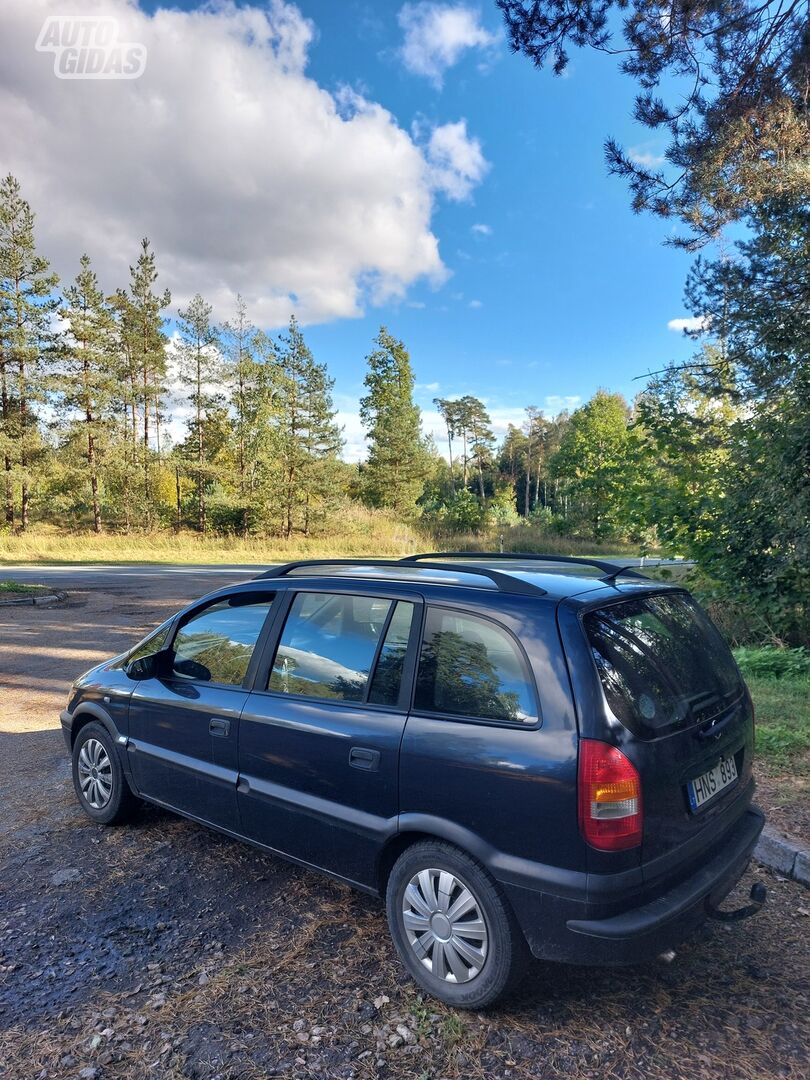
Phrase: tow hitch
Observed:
(759, 895)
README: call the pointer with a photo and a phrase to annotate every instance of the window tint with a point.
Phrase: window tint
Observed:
(152, 643)
(661, 662)
(217, 644)
(387, 679)
(328, 646)
(470, 667)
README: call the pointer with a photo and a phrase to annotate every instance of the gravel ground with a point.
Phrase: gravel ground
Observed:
(161, 949)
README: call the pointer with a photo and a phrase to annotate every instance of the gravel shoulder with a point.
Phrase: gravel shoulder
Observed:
(161, 949)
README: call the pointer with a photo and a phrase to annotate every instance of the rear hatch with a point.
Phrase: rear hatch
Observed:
(678, 708)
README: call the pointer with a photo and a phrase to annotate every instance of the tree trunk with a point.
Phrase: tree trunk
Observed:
(91, 464)
(450, 450)
(5, 410)
(25, 495)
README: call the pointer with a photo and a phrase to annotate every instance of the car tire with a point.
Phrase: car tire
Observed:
(98, 779)
(452, 926)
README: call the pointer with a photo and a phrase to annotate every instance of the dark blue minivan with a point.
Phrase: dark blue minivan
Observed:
(522, 754)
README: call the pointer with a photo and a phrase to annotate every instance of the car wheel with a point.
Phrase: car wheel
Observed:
(453, 928)
(98, 778)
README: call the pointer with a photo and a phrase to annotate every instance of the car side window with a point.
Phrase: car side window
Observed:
(387, 680)
(216, 644)
(151, 644)
(329, 644)
(471, 667)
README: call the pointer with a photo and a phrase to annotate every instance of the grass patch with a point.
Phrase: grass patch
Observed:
(783, 722)
(12, 589)
(779, 681)
(356, 531)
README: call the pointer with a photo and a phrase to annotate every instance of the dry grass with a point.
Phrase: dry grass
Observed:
(356, 531)
(361, 532)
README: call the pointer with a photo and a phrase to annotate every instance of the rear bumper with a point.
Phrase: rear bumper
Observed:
(576, 932)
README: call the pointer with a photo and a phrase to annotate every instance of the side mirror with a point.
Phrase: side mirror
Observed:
(146, 667)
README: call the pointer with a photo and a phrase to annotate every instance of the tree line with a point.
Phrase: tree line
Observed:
(711, 459)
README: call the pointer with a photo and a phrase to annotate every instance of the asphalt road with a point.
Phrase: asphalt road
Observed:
(188, 581)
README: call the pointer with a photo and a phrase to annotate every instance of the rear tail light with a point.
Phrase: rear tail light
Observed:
(610, 814)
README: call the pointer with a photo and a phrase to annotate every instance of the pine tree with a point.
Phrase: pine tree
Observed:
(89, 383)
(27, 302)
(472, 420)
(144, 344)
(309, 439)
(241, 375)
(397, 460)
(200, 369)
(449, 412)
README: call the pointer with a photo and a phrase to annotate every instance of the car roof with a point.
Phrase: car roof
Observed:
(551, 576)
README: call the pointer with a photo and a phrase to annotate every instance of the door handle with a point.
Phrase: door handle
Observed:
(361, 758)
(217, 726)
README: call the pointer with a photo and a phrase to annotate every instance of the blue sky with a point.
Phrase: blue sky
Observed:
(575, 290)
(344, 161)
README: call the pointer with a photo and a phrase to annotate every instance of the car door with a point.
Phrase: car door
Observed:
(320, 733)
(183, 723)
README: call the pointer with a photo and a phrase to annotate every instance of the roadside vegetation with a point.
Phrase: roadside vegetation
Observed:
(11, 589)
(361, 532)
(779, 681)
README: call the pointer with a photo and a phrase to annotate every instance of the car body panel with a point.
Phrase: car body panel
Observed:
(282, 777)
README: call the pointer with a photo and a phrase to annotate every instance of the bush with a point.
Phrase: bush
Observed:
(770, 663)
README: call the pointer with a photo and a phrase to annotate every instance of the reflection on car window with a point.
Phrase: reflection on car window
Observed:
(387, 679)
(328, 646)
(662, 662)
(217, 644)
(469, 667)
(151, 644)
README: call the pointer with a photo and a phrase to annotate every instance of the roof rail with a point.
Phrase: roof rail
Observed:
(610, 570)
(505, 583)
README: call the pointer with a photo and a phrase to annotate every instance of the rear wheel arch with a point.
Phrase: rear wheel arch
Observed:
(418, 827)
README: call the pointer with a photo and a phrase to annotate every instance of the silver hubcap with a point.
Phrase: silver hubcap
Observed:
(445, 926)
(95, 774)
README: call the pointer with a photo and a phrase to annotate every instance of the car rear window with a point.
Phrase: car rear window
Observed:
(662, 663)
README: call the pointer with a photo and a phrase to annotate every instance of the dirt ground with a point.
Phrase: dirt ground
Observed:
(163, 950)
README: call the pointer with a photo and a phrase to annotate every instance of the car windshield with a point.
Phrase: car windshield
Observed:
(662, 663)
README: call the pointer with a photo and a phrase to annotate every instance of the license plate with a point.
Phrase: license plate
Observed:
(711, 783)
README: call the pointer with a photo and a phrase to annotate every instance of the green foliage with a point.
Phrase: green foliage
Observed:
(393, 476)
(765, 662)
(594, 461)
(731, 432)
(200, 370)
(736, 73)
(27, 303)
(782, 709)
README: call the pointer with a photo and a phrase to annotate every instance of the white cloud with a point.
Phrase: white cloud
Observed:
(437, 35)
(481, 230)
(475, 304)
(456, 161)
(690, 325)
(429, 387)
(246, 175)
(646, 157)
(556, 403)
